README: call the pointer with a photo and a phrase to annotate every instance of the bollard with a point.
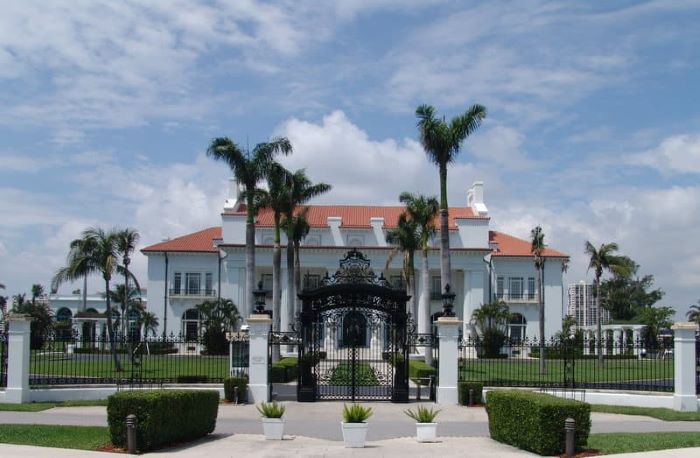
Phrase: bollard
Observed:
(471, 397)
(418, 390)
(235, 395)
(570, 429)
(131, 434)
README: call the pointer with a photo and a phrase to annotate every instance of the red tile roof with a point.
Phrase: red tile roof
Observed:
(203, 242)
(197, 242)
(507, 245)
(358, 216)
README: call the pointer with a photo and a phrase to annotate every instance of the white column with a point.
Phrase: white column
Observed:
(17, 391)
(284, 307)
(617, 346)
(636, 342)
(448, 333)
(259, 329)
(684, 397)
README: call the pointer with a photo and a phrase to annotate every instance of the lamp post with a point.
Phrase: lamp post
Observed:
(448, 299)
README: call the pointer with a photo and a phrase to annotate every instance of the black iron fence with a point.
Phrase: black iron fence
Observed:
(152, 361)
(3, 359)
(569, 364)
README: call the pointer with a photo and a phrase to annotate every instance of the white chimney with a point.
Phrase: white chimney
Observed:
(475, 199)
(377, 224)
(234, 193)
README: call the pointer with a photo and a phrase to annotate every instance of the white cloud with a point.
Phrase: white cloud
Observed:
(676, 154)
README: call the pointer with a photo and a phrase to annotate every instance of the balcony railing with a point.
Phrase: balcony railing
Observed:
(189, 292)
(517, 297)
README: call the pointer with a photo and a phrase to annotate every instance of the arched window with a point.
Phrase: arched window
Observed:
(517, 327)
(64, 315)
(190, 325)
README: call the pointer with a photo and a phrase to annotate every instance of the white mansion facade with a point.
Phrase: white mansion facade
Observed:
(486, 264)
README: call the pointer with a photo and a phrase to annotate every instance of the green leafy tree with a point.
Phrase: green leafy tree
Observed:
(441, 142)
(42, 318)
(37, 292)
(217, 317)
(626, 295)
(406, 238)
(422, 211)
(148, 322)
(693, 313)
(655, 319)
(537, 249)
(603, 259)
(97, 253)
(249, 169)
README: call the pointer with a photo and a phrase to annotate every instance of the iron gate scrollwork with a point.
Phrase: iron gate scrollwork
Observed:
(354, 337)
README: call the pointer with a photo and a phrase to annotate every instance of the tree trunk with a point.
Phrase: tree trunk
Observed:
(84, 293)
(424, 324)
(297, 277)
(276, 288)
(445, 265)
(411, 286)
(540, 290)
(249, 266)
(599, 325)
(125, 300)
(291, 297)
(110, 331)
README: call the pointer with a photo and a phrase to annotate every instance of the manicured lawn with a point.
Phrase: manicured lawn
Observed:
(364, 374)
(585, 370)
(39, 406)
(77, 437)
(641, 442)
(661, 414)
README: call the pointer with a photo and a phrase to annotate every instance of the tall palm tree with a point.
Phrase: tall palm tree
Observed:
(406, 237)
(441, 142)
(99, 254)
(693, 313)
(537, 250)
(128, 303)
(37, 292)
(602, 259)
(126, 240)
(148, 322)
(300, 190)
(422, 210)
(249, 169)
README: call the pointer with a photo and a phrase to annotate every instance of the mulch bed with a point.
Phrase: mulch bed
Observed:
(583, 454)
(110, 448)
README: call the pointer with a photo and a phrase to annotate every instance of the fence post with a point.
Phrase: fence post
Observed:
(17, 391)
(259, 331)
(448, 333)
(684, 397)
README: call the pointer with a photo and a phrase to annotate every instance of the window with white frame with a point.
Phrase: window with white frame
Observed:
(177, 283)
(517, 327)
(436, 288)
(499, 287)
(209, 284)
(193, 282)
(515, 287)
(531, 291)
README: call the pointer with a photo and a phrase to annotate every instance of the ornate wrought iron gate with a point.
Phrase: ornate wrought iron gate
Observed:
(354, 337)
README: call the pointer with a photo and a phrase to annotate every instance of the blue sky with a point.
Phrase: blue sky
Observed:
(593, 128)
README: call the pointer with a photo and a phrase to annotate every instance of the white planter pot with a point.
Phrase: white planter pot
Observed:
(354, 434)
(273, 428)
(426, 432)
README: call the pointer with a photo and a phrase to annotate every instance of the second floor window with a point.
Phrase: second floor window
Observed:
(499, 287)
(193, 282)
(177, 283)
(515, 287)
(208, 282)
(531, 291)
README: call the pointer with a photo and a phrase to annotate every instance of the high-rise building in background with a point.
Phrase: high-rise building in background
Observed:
(582, 305)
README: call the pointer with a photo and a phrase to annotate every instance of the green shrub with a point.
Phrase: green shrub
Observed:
(163, 417)
(356, 413)
(229, 391)
(271, 409)
(292, 366)
(278, 374)
(420, 370)
(490, 343)
(192, 379)
(422, 414)
(463, 392)
(535, 421)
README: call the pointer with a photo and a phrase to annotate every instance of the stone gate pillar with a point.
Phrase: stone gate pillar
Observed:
(17, 391)
(448, 333)
(259, 331)
(684, 397)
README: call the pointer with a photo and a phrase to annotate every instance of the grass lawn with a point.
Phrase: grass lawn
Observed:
(364, 374)
(660, 413)
(641, 442)
(585, 370)
(39, 406)
(78, 437)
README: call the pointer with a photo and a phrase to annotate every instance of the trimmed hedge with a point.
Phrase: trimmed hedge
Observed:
(535, 421)
(420, 369)
(164, 417)
(463, 392)
(229, 392)
(278, 374)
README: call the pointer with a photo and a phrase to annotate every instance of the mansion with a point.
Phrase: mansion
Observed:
(486, 264)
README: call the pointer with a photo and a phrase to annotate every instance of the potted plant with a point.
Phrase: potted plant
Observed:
(355, 426)
(273, 424)
(426, 428)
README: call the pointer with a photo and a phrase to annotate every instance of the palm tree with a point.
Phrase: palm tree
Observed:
(441, 142)
(98, 253)
(300, 191)
(78, 248)
(422, 210)
(694, 313)
(148, 321)
(249, 169)
(603, 259)
(128, 303)
(406, 237)
(537, 250)
(126, 240)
